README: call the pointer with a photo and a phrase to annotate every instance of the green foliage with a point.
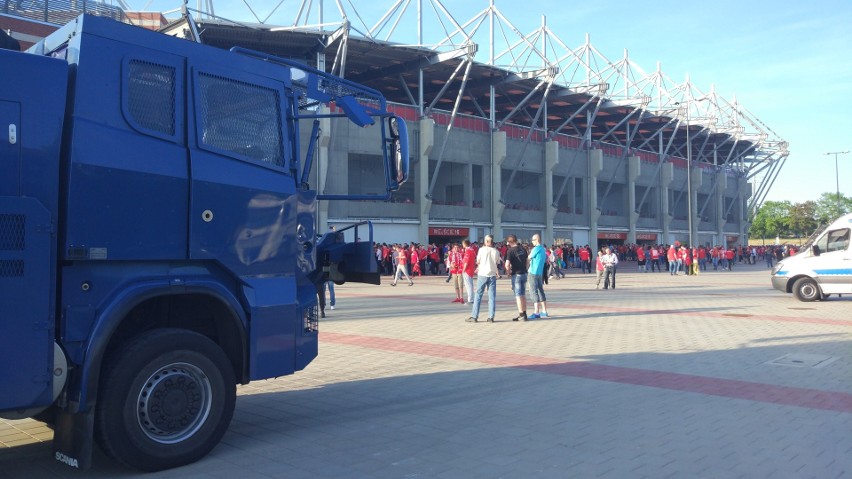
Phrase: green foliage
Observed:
(803, 220)
(772, 219)
(827, 208)
(782, 218)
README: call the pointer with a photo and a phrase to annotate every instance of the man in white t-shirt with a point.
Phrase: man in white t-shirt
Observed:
(486, 277)
(610, 261)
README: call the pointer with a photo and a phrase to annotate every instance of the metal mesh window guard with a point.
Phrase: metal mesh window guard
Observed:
(241, 118)
(151, 96)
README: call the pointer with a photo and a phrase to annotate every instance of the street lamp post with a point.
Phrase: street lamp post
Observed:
(689, 174)
(837, 175)
(689, 180)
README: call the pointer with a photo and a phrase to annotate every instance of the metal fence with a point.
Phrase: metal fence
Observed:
(61, 12)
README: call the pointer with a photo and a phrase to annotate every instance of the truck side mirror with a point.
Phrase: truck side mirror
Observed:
(815, 250)
(398, 158)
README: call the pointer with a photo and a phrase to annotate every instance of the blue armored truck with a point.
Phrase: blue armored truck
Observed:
(158, 236)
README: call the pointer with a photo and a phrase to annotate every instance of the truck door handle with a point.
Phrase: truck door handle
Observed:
(13, 133)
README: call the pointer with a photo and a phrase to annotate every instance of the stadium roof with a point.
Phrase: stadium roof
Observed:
(486, 67)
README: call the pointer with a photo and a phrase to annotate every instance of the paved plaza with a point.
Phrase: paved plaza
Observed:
(714, 376)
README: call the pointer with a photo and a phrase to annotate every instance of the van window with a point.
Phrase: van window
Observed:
(837, 240)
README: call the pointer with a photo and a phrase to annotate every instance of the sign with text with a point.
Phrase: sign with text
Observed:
(646, 236)
(612, 235)
(450, 231)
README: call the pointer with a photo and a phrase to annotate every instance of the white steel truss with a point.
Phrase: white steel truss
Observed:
(714, 121)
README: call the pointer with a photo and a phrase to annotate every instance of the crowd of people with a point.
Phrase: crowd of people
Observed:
(421, 260)
(535, 264)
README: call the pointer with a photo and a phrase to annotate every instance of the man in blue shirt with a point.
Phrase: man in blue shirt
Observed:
(537, 259)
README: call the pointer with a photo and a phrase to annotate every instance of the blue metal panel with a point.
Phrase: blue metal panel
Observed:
(242, 213)
(127, 191)
(36, 89)
(32, 97)
(274, 319)
(10, 148)
(91, 315)
(26, 304)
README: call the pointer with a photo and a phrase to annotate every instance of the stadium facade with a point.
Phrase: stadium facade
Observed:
(511, 133)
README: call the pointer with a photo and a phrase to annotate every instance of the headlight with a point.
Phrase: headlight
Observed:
(777, 268)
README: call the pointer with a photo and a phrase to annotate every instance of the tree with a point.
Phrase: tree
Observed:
(802, 221)
(771, 220)
(827, 210)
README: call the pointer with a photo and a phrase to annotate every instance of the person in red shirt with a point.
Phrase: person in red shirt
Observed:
(655, 258)
(599, 269)
(729, 257)
(672, 257)
(586, 259)
(685, 259)
(693, 256)
(387, 261)
(455, 260)
(401, 265)
(468, 269)
(415, 262)
(640, 259)
(502, 249)
(434, 259)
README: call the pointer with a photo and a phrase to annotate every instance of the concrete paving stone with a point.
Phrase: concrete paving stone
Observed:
(664, 377)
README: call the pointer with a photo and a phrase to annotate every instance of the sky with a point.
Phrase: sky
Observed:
(787, 62)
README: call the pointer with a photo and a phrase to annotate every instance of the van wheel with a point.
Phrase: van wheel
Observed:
(165, 400)
(806, 289)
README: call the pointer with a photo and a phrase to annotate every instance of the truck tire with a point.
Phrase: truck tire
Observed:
(806, 290)
(165, 400)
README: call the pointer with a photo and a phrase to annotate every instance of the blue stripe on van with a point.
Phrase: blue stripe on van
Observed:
(834, 272)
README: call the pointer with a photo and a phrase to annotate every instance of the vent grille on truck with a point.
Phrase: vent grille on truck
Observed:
(12, 238)
(12, 233)
(310, 319)
(11, 268)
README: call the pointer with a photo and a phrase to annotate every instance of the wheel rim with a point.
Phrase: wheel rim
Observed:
(808, 290)
(174, 403)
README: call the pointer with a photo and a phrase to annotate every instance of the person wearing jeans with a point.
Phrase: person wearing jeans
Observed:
(486, 270)
(610, 262)
(516, 267)
(330, 285)
(537, 260)
(671, 255)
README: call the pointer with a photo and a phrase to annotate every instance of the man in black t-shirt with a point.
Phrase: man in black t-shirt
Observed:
(516, 267)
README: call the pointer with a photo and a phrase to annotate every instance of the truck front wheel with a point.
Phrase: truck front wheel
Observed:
(806, 289)
(165, 400)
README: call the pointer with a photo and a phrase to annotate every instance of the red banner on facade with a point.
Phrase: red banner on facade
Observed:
(439, 231)
(646, 236)
(615, 236)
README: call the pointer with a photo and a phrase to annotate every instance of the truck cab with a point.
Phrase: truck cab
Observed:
(822, 268)
(158, 237)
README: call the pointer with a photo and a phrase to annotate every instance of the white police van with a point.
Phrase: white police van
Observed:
(822, 268)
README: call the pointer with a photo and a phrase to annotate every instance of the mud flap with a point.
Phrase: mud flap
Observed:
(73, 438)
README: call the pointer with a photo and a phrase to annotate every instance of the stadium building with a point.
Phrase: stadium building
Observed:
(510, 133)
